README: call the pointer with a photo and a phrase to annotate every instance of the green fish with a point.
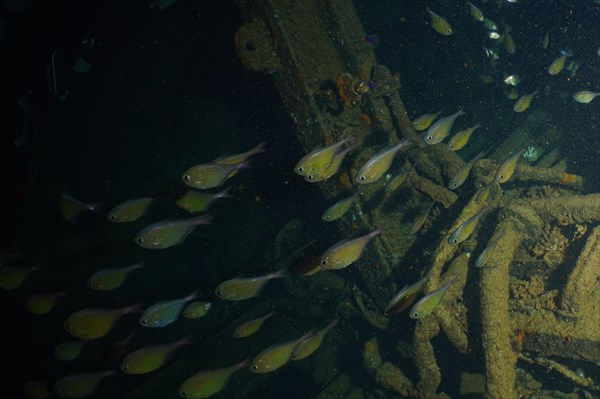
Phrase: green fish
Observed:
(151, 358)
(430, 302)
(484, 193)
(209, 175)
(464, 230)
(69, 350)
(396, 181)
(460, 139)
(81, 384)
(346, 252)
(418, 223)
(482, 259)
(250, 327)
(339, 209)
(440, 130)
(506, 170)
(168, 233)
(463, 172)
(12, 277)
(241, 288)
(198, 201)
(130, 210)
(275, 356)
(208, 383)
(109, 279)
(330, 170)
(163, 313)
(319, 159)
(312, 343)
(240, 158)
(380, 163)
(405, 297)
(196, 309)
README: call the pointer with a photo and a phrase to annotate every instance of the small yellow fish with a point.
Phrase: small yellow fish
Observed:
(376, 167)
(196, 309)
(484, 193)
(129, 211)
(240, 158)
(466, 228)
(330, 170)
(440, 24)
(523, 103)
(460, 139)
(69, 350)
(420, 220)
(463, 172)
(241, 288)
(584, 96)
(430, 302)
(250, 327)
(81, 384)
(405, 297)
(93, 323)
(12, 277)
(476, 13)
(509, 43)
(312, 343)
(546, 40)
(210, 175)
(109, 279)
(36, 390)
(42, 304)
(198, 201)
(275, 356)
(558, 64)
(506, 170)
(71, 208)
(163, 313)
(208, 383)
(150, 358)
(396, 181)
(440, 130)
(339, 209)
(168, 233)
(483, 258)
(319, 159)
(424, 121)
(346, 252)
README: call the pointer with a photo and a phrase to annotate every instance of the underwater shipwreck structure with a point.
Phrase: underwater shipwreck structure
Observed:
(523, 313)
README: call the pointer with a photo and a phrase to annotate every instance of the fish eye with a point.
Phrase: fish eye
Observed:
(300, 169)
(254, 367)
(450, 145)
(429, 137)
(327, 217)
(454, 241)
(324, 262)
(362, 178)
(415, 314)
(140, 240)
(125, 368)
(183, 393)
(186, 177)
(68, 327)
(145, 322)
(449, 30)
(310, 177)
(113, 217)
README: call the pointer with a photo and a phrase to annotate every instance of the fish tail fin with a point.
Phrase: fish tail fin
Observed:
(132, 309)
(193, 295)
(204, 219)
(244, 363)
(225, 193)
(139, 265)
(258, 149)
(187, 340)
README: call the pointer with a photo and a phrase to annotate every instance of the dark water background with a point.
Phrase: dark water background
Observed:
(167, 91)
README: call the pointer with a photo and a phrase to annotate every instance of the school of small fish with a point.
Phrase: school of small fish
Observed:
(87, 324)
